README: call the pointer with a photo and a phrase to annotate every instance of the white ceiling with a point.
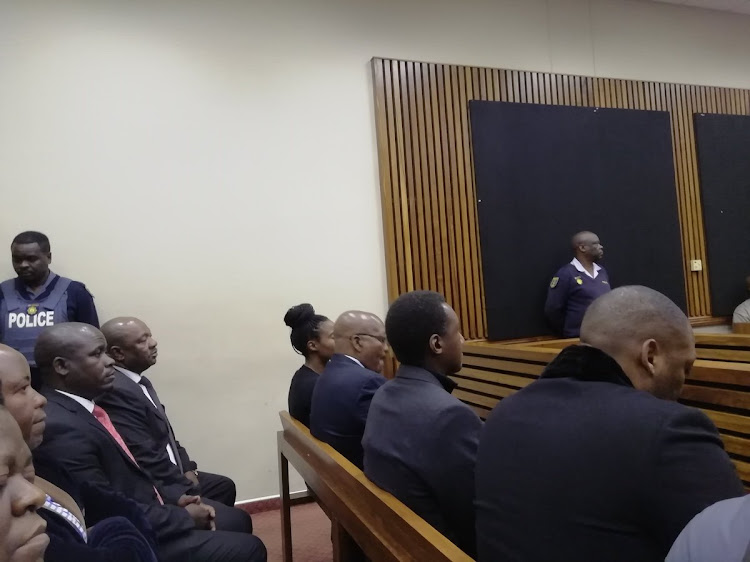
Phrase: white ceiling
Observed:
(737, 6)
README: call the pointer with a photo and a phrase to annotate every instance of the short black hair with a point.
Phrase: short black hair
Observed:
(33, 237)
(411, 320)
(305, 325)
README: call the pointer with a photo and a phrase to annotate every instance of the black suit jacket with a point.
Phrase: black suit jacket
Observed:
(579, 465)
(420, 444)
(83, 449)
(340, 403)
(146, 431)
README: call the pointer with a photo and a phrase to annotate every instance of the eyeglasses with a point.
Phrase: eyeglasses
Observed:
(381, 339)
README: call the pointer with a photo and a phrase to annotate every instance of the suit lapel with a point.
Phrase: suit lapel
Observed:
(83, 414)
(134, 388)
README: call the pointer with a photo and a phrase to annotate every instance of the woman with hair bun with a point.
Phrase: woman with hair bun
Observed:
(312, 337)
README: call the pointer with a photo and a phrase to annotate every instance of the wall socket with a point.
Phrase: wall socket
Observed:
(696, 265)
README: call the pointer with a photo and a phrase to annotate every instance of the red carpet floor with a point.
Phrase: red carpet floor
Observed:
(311, 533)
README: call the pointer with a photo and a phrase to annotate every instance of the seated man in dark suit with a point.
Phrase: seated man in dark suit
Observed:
(81, 438)
(134, 407)
(420, 442)
(596, 460)
(344, 390)
(120, 537)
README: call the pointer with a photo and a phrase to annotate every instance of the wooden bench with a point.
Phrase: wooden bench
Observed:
(383, 527)
(721, 389)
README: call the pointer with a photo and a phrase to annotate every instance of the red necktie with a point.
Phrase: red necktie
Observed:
(103, 418)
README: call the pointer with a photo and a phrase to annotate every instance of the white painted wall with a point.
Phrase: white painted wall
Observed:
(205, 165)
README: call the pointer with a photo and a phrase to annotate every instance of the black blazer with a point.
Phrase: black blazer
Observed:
(83, 448)
(300, 393)
(145, 429)
(420, 444)
(340, 403)
(579, 465)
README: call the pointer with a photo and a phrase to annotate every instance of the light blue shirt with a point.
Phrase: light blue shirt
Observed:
(719, 533)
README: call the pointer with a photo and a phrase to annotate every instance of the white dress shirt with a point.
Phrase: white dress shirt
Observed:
(88, 404)
(136, 378)
(357, 361)
(579, 266)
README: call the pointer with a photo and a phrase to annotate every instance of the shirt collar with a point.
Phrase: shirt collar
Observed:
(422, 374)
(88, 404)
(24, 291)
(357, 361)
(579, 266)
(136, 378)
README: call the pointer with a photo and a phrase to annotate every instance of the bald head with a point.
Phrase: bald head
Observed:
(587, 247)
(646, 333)
(130, 343)
(361, 335)
(72, 357)
(24, 403)
(61, 340)
(11, 361)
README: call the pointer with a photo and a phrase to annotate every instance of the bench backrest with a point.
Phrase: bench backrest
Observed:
(723, 347)
(383, 527)
(714, 347)
(721, 389)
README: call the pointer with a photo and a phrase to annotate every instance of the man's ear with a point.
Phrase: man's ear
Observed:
(356, 343)
(115, 352)
(436, 344)
(60, 366)
(649, 351)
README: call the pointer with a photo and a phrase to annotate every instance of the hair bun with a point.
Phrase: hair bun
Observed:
(298, 315)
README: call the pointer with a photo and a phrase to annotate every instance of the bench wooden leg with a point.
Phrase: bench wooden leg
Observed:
(286, 521)
(345, 549)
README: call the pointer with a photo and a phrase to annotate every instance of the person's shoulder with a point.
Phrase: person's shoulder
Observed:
(566, 271)
(78, 288)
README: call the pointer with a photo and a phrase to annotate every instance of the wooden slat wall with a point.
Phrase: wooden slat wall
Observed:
(427, 177)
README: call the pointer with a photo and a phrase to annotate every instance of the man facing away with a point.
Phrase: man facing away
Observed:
(596, 460)
(420, 442)
(576, 285)
(80, 436)
(38, 297)
(139, 416)
(342, 395)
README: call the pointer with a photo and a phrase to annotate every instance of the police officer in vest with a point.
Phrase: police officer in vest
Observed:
(38, 298)
(575, 286)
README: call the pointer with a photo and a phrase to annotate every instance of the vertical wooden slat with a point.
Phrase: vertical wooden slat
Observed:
(413, 177)
(469, 224)
(422, 172)
(446, 185)
(458, 192)
(428, 193)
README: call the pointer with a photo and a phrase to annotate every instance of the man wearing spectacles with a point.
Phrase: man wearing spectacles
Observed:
(342, 395)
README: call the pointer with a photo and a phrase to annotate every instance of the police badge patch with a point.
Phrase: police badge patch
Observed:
(553, 284)
(31, 310)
